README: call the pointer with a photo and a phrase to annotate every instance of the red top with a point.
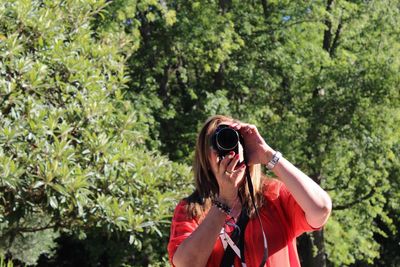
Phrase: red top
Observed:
(283, 220)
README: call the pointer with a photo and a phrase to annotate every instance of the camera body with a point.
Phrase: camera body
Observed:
(225, 139)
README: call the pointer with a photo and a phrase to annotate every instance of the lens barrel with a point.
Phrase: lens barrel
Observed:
(225, 139)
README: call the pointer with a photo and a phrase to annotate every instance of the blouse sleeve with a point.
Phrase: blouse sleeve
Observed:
(181, 227)
(295, 214)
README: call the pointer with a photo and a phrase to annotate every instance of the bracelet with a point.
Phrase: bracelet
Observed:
(222, 207)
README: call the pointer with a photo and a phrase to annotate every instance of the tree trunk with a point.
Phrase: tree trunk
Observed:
(311, 249)
(311, 246)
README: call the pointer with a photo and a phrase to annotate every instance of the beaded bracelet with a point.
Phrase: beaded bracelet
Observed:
(222, 207)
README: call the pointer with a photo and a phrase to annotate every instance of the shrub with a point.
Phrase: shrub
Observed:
(74, 153)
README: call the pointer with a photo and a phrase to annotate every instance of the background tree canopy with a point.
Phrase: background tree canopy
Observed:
(100, 103)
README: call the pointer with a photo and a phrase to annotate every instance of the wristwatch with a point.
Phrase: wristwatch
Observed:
(275, 158)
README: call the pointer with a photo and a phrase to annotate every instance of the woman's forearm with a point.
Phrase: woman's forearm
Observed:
(196, 249)
(315, 202)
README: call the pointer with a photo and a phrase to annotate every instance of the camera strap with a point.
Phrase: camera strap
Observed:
(251, 191)
(236, 237)
(229, 255)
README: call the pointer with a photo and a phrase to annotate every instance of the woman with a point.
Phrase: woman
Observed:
(205, 224)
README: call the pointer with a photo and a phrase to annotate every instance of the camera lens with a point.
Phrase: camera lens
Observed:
(225, 139)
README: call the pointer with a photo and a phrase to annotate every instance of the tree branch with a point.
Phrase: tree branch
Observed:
(328, 34)
(345, 186)
(179, 79)
(163, 82)
(293, 23)
(32, 230)
(265, 8)
(349, 205)
(225, 5)
(335, 42)
(219, 77)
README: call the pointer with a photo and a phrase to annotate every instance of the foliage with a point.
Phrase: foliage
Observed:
(74, 151)
(4, 263)
(319, 78)
(27, 244)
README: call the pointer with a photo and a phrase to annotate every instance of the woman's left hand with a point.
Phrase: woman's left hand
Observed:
(256, 149)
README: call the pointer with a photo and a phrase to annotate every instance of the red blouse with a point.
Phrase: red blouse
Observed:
(283, 220)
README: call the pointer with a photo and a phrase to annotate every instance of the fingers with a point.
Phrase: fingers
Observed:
(244, 128)
(223, 164)
(228, 165)
(229, 177)
(232, 164)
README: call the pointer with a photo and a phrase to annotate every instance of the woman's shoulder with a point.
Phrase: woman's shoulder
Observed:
(272, 188)
(188, 208)
(181, 210)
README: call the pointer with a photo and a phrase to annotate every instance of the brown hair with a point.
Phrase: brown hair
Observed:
(205, 182)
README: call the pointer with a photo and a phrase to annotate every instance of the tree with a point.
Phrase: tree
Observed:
(76, 157)
(319, 78)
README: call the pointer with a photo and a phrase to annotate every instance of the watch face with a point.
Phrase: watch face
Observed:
(275, 158)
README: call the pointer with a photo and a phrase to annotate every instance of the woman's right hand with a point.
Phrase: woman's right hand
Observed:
(229, 176)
